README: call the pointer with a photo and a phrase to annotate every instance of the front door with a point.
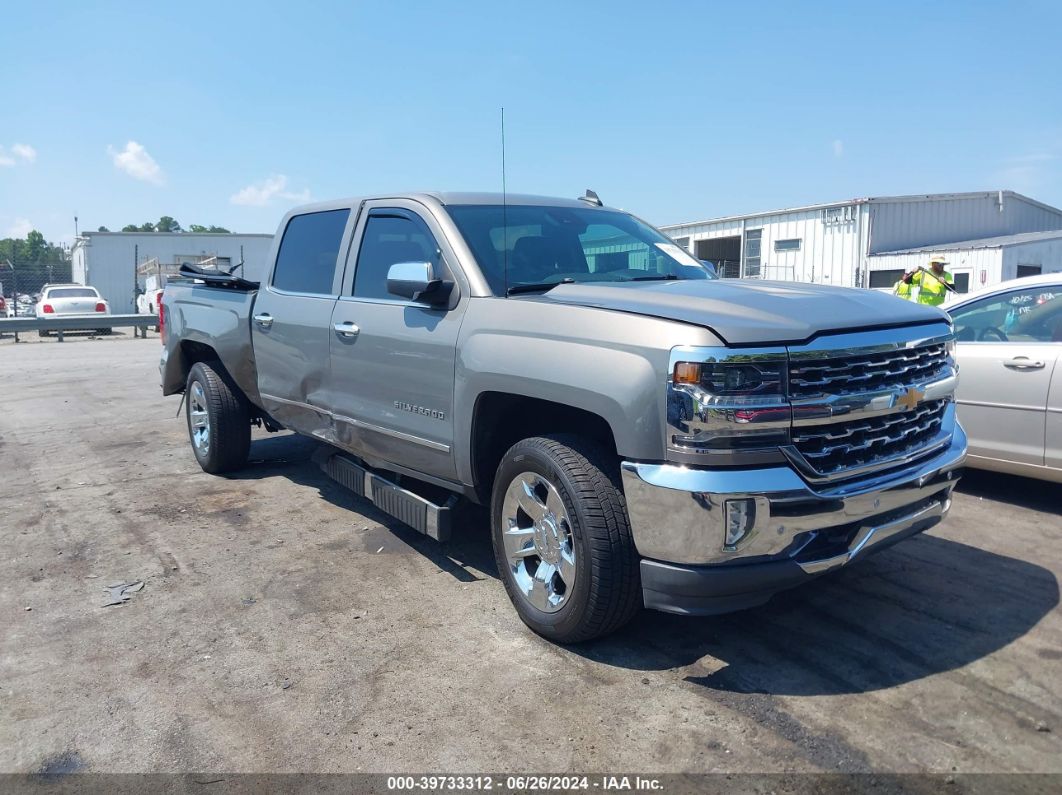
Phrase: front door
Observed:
(392, 359)
(1008, 350)
(290, 332)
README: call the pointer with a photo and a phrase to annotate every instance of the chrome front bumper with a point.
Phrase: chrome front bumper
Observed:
(798, 531)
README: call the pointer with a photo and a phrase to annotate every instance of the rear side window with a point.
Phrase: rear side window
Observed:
(390, 239)
(306, 262)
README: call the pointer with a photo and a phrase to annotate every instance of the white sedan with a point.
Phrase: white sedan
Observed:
(71, 299)
(1010, 376)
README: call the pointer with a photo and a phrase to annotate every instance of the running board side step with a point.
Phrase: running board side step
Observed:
(422, 515)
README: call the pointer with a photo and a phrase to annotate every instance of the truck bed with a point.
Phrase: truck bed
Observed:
(217, 316)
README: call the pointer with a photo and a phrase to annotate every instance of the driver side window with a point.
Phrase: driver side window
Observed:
(1030, 315)
(388, 240)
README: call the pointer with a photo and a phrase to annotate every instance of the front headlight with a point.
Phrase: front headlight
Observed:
(722, 400)
(732, 382)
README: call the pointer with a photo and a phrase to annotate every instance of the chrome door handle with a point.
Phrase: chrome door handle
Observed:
(264, 320)
(346, 329)
(1023, 363)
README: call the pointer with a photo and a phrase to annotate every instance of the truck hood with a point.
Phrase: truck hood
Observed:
(750, 312)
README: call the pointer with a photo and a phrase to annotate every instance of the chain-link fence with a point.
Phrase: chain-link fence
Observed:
(21, 282)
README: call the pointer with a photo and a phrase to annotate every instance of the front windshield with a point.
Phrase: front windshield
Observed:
(528, 245)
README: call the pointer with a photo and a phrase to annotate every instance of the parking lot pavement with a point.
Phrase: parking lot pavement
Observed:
(283, 626)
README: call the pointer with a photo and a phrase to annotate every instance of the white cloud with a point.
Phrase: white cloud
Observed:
(260, 194)
(19, 229)
(135, 161)
(838, 148)
(25, 151)
(17, 152)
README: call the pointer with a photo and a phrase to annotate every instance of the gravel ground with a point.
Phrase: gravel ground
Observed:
(284, 626)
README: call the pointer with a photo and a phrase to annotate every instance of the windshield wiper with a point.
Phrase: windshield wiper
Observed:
(658, 278)
(534, 288)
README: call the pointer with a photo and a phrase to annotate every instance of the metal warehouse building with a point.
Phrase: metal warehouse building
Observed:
(981, 262)
(116, 263)
(860, 243)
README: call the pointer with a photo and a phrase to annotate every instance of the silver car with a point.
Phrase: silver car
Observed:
(72, 299)
(1010, 376)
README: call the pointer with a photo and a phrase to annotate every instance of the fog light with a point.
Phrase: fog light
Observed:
(738, 518)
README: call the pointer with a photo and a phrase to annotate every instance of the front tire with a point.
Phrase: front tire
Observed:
(219, 425)
(562, 539)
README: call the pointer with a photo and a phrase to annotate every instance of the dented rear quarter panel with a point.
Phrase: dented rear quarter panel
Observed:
(216, 317)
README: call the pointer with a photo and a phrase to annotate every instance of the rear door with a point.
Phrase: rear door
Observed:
(393, 359)
(1053, 443)
(1008, 351)
(290, 332)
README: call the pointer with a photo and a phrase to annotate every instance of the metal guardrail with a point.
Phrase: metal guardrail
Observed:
(61, 323)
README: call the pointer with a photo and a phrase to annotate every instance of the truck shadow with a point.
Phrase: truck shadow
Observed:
(926, 606)
(467, 557)
(1034, 495)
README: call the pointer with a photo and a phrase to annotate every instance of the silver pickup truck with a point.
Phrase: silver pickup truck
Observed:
(643, 434)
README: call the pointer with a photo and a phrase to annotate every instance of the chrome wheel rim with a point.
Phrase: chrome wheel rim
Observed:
(538, 541)
(199, 419)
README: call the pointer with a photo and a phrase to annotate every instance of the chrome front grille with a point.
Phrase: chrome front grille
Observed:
(836, 447)
(846, 374)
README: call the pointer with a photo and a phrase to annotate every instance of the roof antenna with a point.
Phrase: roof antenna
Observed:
(505, 215)
(591, 198)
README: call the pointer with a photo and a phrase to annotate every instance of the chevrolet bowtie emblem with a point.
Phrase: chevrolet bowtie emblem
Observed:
(911, 398)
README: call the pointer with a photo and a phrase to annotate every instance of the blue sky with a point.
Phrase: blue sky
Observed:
(229, 113)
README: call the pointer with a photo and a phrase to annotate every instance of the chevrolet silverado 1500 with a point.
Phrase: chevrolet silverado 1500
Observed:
(643, 434)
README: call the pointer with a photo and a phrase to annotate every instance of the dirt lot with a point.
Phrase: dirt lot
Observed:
(285, 627)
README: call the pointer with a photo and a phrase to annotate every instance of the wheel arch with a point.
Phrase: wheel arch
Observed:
(501, 419)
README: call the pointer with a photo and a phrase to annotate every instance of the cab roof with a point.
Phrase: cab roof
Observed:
(448, 198)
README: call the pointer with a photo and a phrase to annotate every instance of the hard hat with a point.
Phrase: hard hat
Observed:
(938, 260)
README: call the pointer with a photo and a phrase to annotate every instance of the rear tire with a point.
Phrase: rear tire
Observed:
(219, 424)
(590, 583)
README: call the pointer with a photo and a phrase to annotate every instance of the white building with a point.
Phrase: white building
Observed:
(117, 263)
(855, 243)
(976, 263)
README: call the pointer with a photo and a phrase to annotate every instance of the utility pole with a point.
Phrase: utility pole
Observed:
(75, 227)
(136, 262)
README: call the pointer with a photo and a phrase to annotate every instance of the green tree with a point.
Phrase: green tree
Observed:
(219, 230)
(35, 247)
(36, 262)
(168, 224)
(103, 229)
(199, 228)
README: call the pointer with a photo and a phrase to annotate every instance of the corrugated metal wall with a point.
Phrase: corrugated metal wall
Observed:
(912, 223)
(1045, 253)
(830, 250)
(107, 261)
(836, 240)
(973, 261)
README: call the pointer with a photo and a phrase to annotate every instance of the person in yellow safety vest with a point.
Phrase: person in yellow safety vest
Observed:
(934, 284)
(902, 288)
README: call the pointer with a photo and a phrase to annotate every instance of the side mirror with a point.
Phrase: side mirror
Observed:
(417, 282)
